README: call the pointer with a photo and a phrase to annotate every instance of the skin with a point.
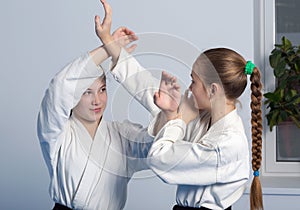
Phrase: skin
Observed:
(201, 99)
(204, 97)
(112, 45)
(210, 97)
(168, 97)
(90, 109)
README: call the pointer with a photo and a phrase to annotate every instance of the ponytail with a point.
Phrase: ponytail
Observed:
(256, 201)
(232, 70)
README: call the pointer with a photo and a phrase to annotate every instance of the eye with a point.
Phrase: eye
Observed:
(103, 89)
(87, 92)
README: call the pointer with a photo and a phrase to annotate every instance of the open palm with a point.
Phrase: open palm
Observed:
(121, 36)
(168, 97)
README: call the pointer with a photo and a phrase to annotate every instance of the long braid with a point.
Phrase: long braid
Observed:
(231, 69)
(256, 202)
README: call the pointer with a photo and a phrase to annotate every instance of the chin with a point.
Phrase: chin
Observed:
(96, 118)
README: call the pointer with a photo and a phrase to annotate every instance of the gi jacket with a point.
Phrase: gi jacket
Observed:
(86, 173)
(211, 167)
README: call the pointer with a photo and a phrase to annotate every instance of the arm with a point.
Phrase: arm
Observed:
(200, 157)
(113, 43)
(62, 95)
(215, 158)
(179, 162)
(174, 160)
(136, 142)
(67, 87)
(126, 70)
(138, 82)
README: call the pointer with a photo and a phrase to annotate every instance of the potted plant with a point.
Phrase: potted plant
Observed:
(284, 102)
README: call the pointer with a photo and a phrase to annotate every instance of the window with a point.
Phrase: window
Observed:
(274, 19)
(287, 19)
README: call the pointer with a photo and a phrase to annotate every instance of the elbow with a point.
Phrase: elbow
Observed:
(161, 169)
(161, 173)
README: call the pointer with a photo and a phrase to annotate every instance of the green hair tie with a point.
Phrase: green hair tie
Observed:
(249, 67)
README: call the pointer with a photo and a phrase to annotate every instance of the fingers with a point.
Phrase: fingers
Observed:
(97, 22)
(131, 35)
(127, 31)
(124, 36)
(169, 79)
(108, 11)
(131, 48)
(126, 40)
(176, 86)
(105, 5)
(128, 34)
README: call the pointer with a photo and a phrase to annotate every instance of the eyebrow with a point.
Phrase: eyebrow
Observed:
(102, 85)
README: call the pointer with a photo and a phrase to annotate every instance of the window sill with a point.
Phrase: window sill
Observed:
(279, 185)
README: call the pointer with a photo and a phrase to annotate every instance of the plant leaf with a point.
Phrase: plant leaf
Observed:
(286, 43)
(274, 58)
(279, 70)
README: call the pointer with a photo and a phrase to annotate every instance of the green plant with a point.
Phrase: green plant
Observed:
(284, 101)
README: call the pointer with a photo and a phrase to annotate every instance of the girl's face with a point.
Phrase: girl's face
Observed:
(200, 95)
(92, 104)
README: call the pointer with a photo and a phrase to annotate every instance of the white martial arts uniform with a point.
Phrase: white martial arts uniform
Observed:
(85, 173)
(211, 168)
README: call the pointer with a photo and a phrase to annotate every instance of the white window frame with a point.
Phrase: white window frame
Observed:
(264, 36)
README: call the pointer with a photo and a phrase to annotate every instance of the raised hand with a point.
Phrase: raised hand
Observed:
(123, 37)
(168, 97)
(103, 29)
(120, 38)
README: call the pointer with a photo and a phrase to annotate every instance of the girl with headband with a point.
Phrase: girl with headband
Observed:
(90, 160)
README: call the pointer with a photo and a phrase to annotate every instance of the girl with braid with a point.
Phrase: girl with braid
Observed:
(199, 141)
(208, 157)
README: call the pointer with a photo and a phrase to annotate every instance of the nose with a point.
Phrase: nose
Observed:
(96, 100)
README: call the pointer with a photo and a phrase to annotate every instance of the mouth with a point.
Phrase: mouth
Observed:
(97, 110)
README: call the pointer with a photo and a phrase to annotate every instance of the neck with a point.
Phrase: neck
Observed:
(220, 108)
(91, 126)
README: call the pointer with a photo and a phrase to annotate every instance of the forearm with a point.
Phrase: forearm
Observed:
(139, 82)
(112, 48)
(99, 55)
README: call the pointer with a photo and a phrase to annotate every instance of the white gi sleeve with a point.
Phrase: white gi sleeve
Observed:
(177, 161)
(63, 93)
(137, 142)
(139, 82)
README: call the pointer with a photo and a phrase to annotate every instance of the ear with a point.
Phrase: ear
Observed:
(213, 88)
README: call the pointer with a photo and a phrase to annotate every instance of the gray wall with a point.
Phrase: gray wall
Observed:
(39, 37)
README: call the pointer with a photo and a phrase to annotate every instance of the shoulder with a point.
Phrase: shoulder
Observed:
(125, 127)
(126, 124)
